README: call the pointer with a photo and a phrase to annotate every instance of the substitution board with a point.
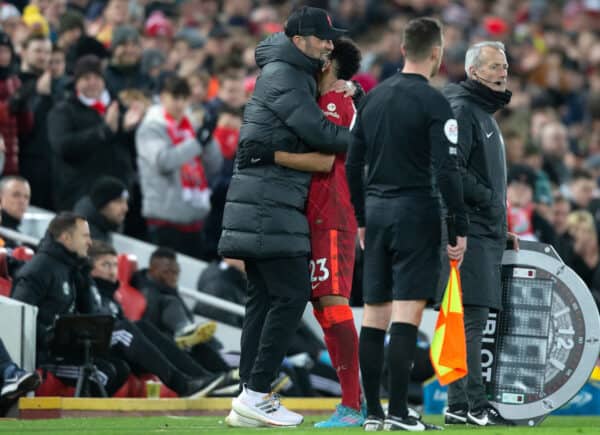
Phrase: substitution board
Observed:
(539, 351)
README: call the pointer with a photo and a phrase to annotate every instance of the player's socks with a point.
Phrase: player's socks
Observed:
(342, 334)
(401, 354)
(371, 367)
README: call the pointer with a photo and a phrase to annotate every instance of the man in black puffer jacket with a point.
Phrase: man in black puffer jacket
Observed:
(482, 155)
(264, 222)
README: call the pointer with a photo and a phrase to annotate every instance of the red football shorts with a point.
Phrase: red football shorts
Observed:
(332, 263)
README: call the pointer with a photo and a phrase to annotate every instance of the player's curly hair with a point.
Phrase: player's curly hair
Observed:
(346, 58)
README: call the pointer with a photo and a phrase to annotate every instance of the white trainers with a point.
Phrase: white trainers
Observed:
(265, 408)
(236, 420)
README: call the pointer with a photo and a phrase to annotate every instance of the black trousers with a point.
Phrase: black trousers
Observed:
(130, 344)
(179, 358)
(278, 290)
(470, 389)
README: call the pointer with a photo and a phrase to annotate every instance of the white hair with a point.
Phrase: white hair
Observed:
(473, 56)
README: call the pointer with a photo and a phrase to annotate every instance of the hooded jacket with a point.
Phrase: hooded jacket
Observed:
(482, 155)
(264, 211)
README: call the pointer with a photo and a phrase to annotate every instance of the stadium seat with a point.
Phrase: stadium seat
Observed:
(23, 253)
(131, 299)
(5, 281)
(53, 386)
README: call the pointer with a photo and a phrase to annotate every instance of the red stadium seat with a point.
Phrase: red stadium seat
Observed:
(53, 386)
(23, 253)
(5, 281)
(131, 299)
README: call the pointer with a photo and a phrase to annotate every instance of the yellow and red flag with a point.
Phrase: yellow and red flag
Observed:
(448, 351)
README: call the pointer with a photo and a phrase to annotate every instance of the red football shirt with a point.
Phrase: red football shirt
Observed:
(329, 206)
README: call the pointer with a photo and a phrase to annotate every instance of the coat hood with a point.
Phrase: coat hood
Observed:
(279, 48)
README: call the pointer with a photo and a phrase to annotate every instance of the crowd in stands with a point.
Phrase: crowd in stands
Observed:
(128, 113)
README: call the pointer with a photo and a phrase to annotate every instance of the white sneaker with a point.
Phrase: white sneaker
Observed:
(266, 408)
(236, 420)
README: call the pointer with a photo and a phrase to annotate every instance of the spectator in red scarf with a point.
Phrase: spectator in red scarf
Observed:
(90, 136)
(175, 170)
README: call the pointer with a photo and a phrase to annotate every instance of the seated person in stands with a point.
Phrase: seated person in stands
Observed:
(56, 280)
(105, 207)
(166, 309)
(583, 250)
(142, 345)
(15, 194)
(225, 279)
(15, 382)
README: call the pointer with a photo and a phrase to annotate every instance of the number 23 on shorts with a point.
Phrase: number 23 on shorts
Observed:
(318, 270)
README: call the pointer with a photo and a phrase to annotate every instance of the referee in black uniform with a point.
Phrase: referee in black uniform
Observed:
(406, 134)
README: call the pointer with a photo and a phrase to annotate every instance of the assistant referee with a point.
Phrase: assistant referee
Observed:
(407, 136)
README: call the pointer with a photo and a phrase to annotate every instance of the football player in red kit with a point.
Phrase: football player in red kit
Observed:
(333, 231)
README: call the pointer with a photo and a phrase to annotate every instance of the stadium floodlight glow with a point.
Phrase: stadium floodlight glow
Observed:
(541, 349)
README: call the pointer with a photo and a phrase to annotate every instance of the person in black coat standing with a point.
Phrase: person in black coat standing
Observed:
(90, 136)
(264, 222)
(482, 155)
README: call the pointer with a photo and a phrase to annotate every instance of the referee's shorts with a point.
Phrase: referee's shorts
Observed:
(402, 249)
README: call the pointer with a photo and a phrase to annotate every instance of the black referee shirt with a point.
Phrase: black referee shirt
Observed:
(406, 134)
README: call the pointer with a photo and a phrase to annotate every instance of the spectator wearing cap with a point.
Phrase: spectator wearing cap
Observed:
(73, 41)
(188, 51)
(36, 94)
(124, 70)
(152, 66)
(34, 18)
(89, 137)
(15, 120)
(264, 222)
(104, 208)
(217, 43)
(158, 33)
(115, 14)
(10, 18)
(175, 171)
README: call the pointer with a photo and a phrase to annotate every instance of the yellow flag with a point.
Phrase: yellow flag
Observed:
(448, 351)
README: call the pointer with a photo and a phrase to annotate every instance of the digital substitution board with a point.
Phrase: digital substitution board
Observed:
(539, 351)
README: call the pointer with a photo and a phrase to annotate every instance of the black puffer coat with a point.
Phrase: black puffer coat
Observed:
(264, 212)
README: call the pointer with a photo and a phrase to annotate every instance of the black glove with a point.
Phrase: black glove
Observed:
(254, 154)
(205, 131)
(358, 94)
